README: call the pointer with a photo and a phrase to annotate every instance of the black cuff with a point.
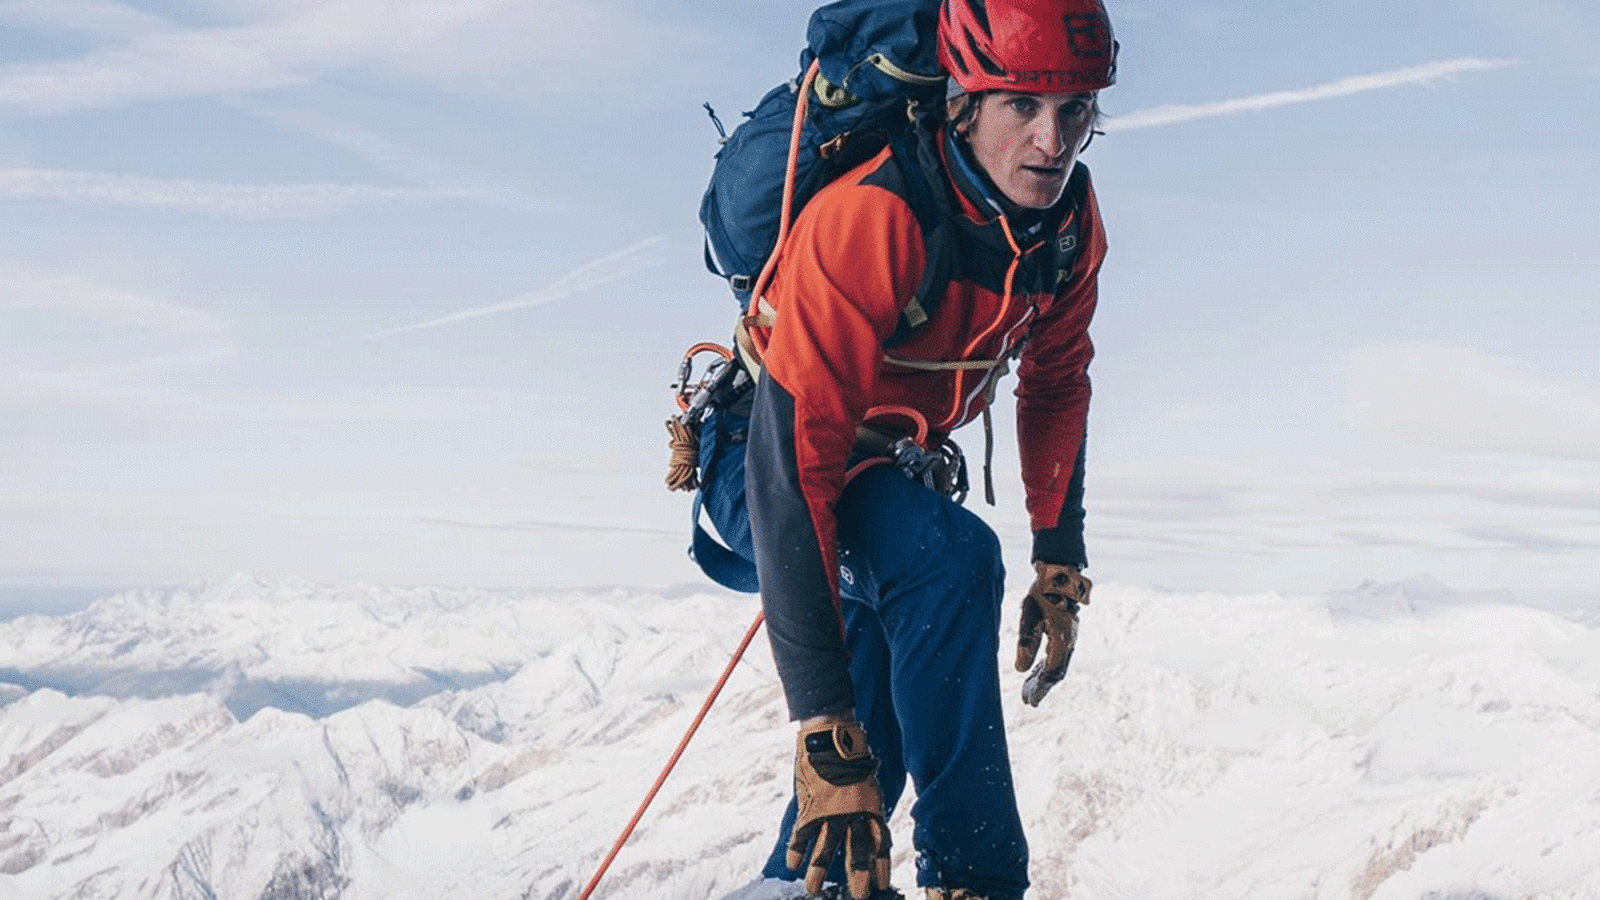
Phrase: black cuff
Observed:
(1060, 547)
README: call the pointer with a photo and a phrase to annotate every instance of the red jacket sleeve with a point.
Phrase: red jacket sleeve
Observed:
(1053, 403)
(855, 254)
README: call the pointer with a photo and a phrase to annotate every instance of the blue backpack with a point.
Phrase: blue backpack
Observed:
(876, 63)
(868, 68)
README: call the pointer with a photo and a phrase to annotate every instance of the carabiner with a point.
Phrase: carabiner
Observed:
(683, 389)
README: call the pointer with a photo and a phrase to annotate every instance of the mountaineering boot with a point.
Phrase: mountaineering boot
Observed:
(952, 894)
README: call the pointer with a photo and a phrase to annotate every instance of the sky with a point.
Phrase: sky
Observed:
(391, 291)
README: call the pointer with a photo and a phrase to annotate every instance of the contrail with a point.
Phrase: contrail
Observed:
(591, 274)
(1172, 114)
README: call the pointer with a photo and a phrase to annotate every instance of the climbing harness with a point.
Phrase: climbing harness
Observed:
(941, 468)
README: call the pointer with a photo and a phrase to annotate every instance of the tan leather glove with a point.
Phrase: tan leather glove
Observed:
(1050, 610)
(836, 784)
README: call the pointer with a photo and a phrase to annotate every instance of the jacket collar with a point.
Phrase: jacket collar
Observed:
(981, 201)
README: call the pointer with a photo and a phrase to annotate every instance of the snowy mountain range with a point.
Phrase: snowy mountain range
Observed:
(280, 740)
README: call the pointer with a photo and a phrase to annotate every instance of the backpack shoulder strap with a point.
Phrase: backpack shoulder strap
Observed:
(935, 277)
(932, 213)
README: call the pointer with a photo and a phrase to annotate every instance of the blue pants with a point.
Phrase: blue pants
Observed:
(921, 582)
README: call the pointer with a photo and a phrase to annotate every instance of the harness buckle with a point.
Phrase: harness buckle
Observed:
(942, 469)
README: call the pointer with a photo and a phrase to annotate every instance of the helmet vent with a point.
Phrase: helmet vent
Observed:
(989, 66)
(980, 12)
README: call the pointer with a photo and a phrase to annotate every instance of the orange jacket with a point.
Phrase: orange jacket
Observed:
(856, 254)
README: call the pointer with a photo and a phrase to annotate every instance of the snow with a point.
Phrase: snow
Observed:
(1393, 741)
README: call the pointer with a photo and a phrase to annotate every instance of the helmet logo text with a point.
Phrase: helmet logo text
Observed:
(1052, 79)
(1088, 34)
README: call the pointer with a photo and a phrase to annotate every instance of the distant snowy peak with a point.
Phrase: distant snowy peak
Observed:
(310, 648)
(176, 798)
(254, 643)
(1418, 595)
(1202, 746)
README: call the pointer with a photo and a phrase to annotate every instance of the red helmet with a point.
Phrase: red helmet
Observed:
(1038, 46)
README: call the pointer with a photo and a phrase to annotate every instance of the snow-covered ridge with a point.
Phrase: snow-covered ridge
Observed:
(1203, 746)
(289, 644)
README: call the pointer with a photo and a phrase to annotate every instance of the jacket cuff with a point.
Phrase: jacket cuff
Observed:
(1060, 547)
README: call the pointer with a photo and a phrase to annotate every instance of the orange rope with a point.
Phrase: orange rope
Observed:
(788, 183)
(917, 419)
(787, 213)
(864, 465)
(694, 726)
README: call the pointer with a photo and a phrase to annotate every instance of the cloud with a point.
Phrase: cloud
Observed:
(94, 389)
(119, 388)
(463, 42)
(143, 387)
(1567, 494)
(180, 64)
(331, 408)
(594, 273)
(1459, 399)
(25, 287)
(1192, 414)
(1174, 114)
(97, 18)
(406, 164)
(248, 201)
(104, 19)
(1368, 539)
(556, 527)
(1527, 541)
(67, 337)
(1157, 495)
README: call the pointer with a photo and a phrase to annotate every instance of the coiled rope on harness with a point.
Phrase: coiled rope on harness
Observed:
(694, 399)
(683, 467)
